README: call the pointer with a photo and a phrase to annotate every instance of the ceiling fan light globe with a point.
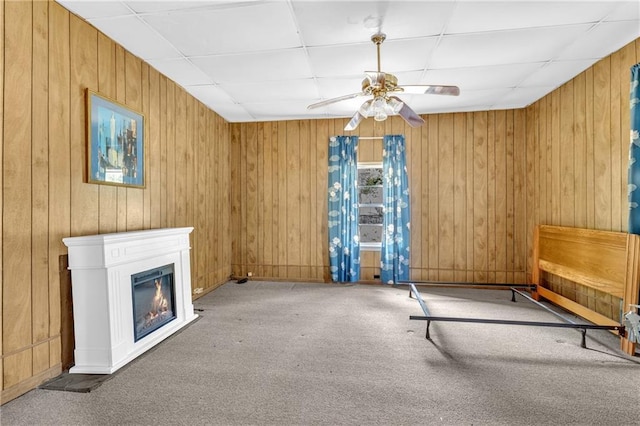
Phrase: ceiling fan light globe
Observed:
(380, 115)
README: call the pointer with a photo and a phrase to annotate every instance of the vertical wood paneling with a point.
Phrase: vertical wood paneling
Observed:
(459, 199)
(445, 196)
(616, 142)
(480, 255)
(106, 85)
(602, 143)
(120, 96)
(16, 217)
(133, 98)
(432, 200)
(40, 189)
(146, 107)
(583, 126)
(470, 167)
(59, 186)
(154, 165)
(579, 152)
(304, 200)
(1, 185)
(292, 197)
(55, 57)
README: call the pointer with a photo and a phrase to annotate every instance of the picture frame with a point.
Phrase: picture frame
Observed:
(115, 137)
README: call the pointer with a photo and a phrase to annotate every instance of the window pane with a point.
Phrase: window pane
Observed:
(370, 233)
(369, 176)
(371, 215)
(370, 195)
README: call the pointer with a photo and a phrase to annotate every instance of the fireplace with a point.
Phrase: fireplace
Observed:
(130, 290)
(153, 296)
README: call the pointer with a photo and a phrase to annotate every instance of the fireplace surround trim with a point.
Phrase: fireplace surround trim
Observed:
(101, 268)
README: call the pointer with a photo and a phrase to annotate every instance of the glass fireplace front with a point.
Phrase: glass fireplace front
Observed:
(153, 300)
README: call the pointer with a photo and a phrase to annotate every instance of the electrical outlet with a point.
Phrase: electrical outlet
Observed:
(197, 290)
(249, 274)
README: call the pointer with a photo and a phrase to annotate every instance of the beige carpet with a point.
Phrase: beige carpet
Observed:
(268, 353)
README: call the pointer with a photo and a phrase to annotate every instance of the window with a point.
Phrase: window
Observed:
(370, 203)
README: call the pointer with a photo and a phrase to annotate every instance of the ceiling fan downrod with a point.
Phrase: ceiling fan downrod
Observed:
(378, 39)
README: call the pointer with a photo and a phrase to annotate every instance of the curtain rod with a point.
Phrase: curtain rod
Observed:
(370, 137)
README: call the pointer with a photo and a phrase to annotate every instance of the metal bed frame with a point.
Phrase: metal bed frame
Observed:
(568, 323)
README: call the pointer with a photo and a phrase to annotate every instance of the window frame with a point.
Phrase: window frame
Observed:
(369, 246)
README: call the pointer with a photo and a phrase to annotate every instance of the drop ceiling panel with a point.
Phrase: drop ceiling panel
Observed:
(249, 28)
(479, 16)
(505, 47)
(279, 110)
(521, 97)
(180, 70)
(209, 94)
(556, 71)
(149, 6)
(474, 78)
(257, 60)
(138, 37)
(601, 39)
(96, 9)
(263, 66)
(265, 92)
(353, 60)
(342, 22)
(625, 11)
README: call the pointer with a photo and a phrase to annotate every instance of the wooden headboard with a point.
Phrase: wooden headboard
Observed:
(603, 260)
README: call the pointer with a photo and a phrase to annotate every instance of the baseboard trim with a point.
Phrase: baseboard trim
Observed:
(31, 383)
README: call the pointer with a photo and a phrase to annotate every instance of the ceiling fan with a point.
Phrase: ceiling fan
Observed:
(381, 86)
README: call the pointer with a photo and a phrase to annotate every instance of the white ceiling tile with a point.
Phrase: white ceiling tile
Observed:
(181, 71)
(625, 11)
(155, 6)
(477, 16)
(558, 72)
(466, 98)
(504, 47)
(334, 87)
(246, 28)
(233, 113)
(344, 22)
(266, 51)
(96, 9)
(210, 95)
(521, 97)
(395, 56)
(138, 38)
(603, 39)
(264, 66)
(474, 78)
(273, 91)
(280, 110)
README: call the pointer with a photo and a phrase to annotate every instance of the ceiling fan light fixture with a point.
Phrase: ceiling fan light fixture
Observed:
(379, 109)
(381, 86)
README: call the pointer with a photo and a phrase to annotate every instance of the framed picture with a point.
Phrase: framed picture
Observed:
(115, 135)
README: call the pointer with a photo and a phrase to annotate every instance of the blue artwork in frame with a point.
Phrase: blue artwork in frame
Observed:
(116, 143)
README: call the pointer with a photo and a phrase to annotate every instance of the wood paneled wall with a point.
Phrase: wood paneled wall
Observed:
(256, 192)
(467, 186)
(480, 182)
(578, 157)
(49, 57)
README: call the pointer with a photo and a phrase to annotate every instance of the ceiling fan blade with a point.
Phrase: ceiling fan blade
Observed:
(405, 112)
(360, 115)
(334, 100)
(430, 89)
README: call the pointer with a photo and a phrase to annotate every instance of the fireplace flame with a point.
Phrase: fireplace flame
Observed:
(159, 303)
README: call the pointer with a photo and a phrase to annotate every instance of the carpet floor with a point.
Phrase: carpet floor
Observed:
(281, 353)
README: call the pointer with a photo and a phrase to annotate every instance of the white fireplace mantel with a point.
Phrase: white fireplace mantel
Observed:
(101, 268)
